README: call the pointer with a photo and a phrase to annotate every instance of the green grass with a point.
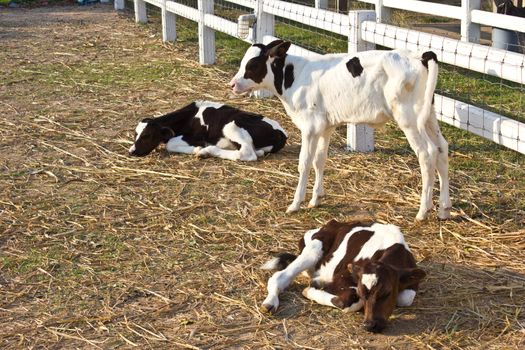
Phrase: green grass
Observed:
(85, 75)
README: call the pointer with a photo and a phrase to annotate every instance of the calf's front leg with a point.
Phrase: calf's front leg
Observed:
(321, 153)
(308, 146)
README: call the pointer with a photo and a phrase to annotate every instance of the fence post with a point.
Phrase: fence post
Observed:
(321, 4)
(119, 5)
(206, 34)
(264, 25)
(470, 32)
(382, 13)
(360, 138)
(169, 24)
(141, 15)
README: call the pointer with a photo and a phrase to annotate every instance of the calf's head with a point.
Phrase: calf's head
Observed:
(148, 135)
(378, 285)
(256, 71)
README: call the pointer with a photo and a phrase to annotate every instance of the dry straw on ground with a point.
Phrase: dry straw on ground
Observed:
(99, 250)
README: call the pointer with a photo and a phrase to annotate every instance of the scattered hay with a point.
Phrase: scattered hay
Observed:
(100, 250)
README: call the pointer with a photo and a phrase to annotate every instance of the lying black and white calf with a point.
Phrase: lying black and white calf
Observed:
(352, 265)
(210, 129)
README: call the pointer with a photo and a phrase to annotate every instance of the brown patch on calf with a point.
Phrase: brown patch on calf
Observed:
(332, 235)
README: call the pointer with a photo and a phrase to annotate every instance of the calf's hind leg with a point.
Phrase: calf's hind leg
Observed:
(435, 134)
(426, 153)
(238, 135)
(321, 153)
(178, 145)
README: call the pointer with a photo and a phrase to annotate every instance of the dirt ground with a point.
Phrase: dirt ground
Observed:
(100, 250)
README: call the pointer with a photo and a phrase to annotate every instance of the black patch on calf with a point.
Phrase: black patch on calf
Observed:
(278, 76)
(262, 133)
(427, 56)
(285, 259)
(256, 69)
(354, 67)
(288, 76)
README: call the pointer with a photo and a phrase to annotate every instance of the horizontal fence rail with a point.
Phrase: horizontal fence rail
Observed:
(322, 19)
(498, 20)
(466, 12)
(364, 32)
(484, 59)
(428, 8)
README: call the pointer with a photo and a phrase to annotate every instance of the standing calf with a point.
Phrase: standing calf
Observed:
(351, 265)
(210, 129)
(370, 87)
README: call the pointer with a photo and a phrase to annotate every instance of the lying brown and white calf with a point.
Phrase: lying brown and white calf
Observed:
(208, 128)
(351, 265)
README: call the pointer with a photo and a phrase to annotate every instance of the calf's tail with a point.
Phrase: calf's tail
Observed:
(429, 60)
(280, 262)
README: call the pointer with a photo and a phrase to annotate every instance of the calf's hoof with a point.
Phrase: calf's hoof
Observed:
(203, 153)
(338, 302)
(305, 292)
(421, 215)
(293, 208)
(444, 213)
(313, 203)
(268, 308)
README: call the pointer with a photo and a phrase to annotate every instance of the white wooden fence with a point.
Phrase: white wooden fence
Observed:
(364, 30)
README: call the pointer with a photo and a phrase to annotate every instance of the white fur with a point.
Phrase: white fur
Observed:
(208, 104)
(406, 297)
(325, 273)
(139, 129)
(224, 143)
(308, 235)
(384, 237)
(261, 151)
(319, 296)
(394, 85)
(178, 145)
(275, 125)
(369, 280)
(310, 255)
(270, 264)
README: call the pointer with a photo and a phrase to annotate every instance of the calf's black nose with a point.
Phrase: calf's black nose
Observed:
(374, 326)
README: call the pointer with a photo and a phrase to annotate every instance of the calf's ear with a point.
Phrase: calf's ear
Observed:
(146, 120)
(280, 49)
(166, 134)
(408, 277)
